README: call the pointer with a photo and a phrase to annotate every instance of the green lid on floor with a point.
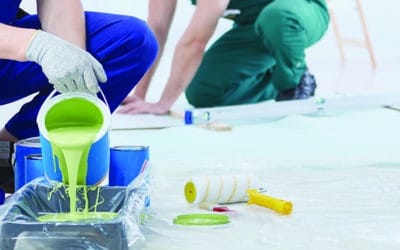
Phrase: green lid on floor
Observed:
(201, 219)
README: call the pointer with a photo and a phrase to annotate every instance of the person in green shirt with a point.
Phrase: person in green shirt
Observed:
(262, 57)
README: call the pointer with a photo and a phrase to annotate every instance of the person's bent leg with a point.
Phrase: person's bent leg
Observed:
(287, 29)
(19, 80)
(6, 136)
(234, 70)
(126, 48)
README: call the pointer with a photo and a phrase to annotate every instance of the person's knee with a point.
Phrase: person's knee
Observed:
(198, 96)
(135, 35)
(194, 98)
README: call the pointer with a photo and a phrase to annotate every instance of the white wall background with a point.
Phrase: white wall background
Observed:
(381, 18)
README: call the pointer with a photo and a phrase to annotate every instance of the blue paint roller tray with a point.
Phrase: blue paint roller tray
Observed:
(19, 228)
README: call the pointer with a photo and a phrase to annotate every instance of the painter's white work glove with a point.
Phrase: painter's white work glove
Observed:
(68, 67)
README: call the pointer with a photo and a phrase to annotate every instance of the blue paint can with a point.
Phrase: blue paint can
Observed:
(126, 163)
(23, 148)
(76, 109)
(33, 167)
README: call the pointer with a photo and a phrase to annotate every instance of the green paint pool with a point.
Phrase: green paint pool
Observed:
(78, 216)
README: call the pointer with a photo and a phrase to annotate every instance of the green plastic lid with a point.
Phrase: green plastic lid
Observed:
(201, 219)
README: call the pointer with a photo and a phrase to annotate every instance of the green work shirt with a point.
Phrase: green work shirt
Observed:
(251, 8)
(240, 4)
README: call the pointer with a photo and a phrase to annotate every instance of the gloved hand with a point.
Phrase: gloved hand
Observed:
(65, 65)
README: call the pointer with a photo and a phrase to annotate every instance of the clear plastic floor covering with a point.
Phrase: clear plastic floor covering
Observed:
(341, 172)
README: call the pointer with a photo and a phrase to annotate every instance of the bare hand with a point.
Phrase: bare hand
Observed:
(136, 105)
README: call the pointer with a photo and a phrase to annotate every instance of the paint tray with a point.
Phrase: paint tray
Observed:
(19, 228)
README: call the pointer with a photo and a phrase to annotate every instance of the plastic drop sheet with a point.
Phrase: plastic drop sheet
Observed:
(341, 172)
(20, 229)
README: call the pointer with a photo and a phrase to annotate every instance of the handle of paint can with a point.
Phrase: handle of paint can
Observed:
(104, 98)
(102, 95)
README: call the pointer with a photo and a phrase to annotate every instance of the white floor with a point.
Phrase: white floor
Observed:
(340, 171)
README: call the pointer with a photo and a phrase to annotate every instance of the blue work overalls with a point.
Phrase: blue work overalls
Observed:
(124, 45)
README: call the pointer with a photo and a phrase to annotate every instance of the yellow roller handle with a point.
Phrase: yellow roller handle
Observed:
(278, 205)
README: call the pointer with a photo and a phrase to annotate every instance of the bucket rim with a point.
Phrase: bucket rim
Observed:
(130, 148)
(53, 99)
(29, 142)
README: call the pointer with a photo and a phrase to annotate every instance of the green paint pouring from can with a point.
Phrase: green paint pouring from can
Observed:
(71, 140)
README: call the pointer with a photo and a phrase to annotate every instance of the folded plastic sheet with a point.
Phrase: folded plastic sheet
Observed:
(20, 229)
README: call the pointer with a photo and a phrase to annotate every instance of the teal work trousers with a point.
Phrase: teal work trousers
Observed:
(251, 62)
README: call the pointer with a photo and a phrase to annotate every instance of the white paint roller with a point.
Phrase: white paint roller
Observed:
(220, 188)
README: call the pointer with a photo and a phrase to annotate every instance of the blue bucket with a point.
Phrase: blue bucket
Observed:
(126, 163)
(23, 148)
(33, 167)
(69, 109)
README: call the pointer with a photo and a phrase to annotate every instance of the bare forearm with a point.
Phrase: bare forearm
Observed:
(144, 83)
(64, 18)
(13, 42)
(190, 49)
(185, 63)
(161, 13)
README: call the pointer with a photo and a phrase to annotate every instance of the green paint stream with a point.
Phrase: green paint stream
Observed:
(71, 140)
